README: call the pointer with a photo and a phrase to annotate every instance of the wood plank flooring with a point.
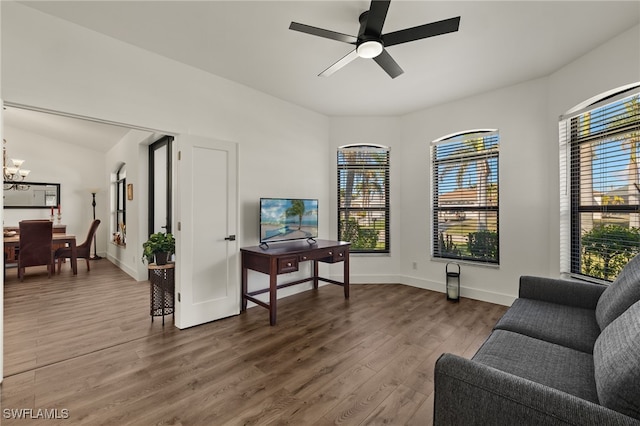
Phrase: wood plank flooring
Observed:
(85, 346)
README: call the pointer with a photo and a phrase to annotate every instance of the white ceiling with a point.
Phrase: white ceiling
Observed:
(498, 44)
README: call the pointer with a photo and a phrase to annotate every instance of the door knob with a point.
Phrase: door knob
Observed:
(230, 238)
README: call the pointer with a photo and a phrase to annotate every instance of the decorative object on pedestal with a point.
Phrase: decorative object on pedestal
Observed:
(453, 282)
(161, 245)
(93, 192)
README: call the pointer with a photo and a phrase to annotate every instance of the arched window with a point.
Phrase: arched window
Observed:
(363, 197)
(600, 184)
(465, 196)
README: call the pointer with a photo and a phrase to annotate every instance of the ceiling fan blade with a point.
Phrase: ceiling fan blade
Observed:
(422, 31)
(388, 64)
(320, 32)
(377, 15)
(341, 63)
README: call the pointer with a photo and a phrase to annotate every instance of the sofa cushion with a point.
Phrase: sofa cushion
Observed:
(616, 359)
(565, 369)
(622, 293)
(568, 326)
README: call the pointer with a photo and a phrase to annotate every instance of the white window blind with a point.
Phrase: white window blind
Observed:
(465, 197)
(363, 197)
(600, 187)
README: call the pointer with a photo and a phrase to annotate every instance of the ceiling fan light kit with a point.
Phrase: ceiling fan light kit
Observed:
(369, 49)
(371, 43)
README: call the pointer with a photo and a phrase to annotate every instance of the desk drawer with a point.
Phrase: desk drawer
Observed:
(287, 264)
(339, 254)
(324, 255)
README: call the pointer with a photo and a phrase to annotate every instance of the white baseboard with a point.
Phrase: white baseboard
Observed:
(124, 267)
(471, 293)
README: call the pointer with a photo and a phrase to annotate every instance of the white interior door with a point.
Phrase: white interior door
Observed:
(207, 285)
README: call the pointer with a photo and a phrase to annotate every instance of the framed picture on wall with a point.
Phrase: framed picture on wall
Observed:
(129, 191)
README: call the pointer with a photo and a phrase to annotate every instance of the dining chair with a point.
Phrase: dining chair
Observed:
(35, 245)
(83, 251)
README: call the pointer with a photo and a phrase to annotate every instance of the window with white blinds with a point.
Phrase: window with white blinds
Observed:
(363, 197)
(600, 149)
(465, 196)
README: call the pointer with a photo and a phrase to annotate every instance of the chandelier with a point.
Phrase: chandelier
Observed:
(13, 174)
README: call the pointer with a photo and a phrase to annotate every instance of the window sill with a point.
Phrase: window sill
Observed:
(466, 262)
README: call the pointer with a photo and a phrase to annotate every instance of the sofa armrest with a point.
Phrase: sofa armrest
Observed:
(470, 393)
(564, 292)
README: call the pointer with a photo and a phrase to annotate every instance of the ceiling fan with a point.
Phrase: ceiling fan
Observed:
(371, 43)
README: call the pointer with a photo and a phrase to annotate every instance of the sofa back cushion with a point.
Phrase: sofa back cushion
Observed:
(616, 360)
(622, 293)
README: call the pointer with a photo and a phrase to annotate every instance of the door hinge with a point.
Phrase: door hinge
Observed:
(178, 296)
(179, 155)
(179, 226)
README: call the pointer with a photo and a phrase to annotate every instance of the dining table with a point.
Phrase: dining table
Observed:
(14, 241)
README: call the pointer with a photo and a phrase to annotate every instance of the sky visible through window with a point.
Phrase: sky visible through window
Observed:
(611, 155)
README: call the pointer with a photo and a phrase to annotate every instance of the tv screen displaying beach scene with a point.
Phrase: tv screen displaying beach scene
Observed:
(283, 219)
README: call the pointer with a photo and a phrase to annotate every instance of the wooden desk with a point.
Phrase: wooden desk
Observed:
(61, 239)
(284, 258)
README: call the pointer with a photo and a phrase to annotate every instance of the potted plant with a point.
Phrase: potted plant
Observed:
(159, 245)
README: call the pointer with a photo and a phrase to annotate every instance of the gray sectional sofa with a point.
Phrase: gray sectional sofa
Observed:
(565, 353)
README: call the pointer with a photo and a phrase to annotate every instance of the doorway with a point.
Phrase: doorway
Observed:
(160, 188)
(71, 150)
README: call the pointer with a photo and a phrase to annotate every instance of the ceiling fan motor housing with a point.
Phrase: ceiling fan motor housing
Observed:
(368, 45)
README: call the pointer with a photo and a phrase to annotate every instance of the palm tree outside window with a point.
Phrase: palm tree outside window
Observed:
(363, 197)
(465, 196)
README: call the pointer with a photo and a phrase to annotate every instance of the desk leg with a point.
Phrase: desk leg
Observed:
(74, 257)
(345, 278)
(315, 274)
(273, 291)
(243, 306)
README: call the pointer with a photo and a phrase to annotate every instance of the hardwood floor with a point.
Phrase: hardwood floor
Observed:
(85, 346)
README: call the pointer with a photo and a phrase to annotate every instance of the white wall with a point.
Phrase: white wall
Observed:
(288, 151)
(519, 113)
(52, 64)
(609, 66)
(73, 167)
(132, 150)
(527, 118)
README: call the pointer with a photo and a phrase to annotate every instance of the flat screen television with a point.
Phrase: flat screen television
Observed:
(284, 219)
